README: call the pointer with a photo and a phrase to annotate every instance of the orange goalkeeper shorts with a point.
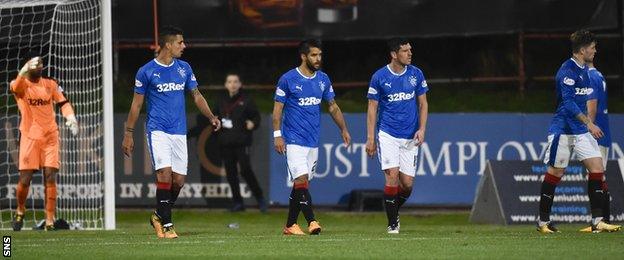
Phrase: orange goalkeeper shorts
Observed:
(37, 153)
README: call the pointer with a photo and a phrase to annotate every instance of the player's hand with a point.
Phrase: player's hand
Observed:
(371, 147)
(595, 131)
(249, 124)
(127, 145)
(346, 138)
(31, 64)
(72, 123)
(419, 137)
(216, 123)
(280, 146)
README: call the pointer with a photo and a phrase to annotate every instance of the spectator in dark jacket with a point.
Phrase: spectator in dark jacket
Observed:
(239, 117)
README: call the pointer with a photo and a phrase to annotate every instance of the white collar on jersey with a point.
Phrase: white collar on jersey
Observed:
(592, 68)
(404, 70)
(577, 63)
(172, 62)
(298, 71)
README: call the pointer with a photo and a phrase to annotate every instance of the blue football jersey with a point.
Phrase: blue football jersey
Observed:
(163, 87)
(302, 97)
(397, 96)
(572, 81)
(599, 86)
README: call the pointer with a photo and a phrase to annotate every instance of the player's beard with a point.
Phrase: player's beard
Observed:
(311, 66)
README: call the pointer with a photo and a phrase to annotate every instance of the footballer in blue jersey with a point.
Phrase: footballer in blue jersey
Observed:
(598, 113)
(597, 108)
(397, 109)
(298, 97)
(164, 82)
(572, 131)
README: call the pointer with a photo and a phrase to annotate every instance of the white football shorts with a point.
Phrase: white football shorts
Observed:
(397, 152)
(168, 150)
(301, 160)
(560, 148)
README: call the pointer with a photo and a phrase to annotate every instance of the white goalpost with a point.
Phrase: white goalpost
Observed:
(74, 38)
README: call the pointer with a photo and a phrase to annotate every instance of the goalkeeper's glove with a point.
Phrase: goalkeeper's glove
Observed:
(72, 123)
(30, 65)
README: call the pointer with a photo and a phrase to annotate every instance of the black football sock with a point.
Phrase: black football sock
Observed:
(404, 194)
(596, 195)
(163, 198)
(175, 192)
(547, 195)
(293, 208)
(306, 204)
(606, 207)
(390, 201)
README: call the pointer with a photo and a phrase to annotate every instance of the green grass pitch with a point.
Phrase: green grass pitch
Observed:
(205, 234)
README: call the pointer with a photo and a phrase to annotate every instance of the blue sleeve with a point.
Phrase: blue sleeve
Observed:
(566, 84)
(328, 92)
(422, 86)
(373, 88)
(191, 82)
(595, 82)
(140, 82)
(282, 92)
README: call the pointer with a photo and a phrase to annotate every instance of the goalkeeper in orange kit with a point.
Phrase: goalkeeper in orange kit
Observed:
(39, 134)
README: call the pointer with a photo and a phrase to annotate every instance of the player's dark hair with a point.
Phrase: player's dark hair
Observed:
(394, 44)
(581, 39)
(29, 55)
(306, 45)
(168, 32)
(233, 73)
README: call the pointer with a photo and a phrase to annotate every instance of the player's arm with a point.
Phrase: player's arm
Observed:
(67, 110)
(371, 122)
(19, 85)
(567, 94)
(592, 102)
(201, 103)
(278, 140)
(338, 117)
(133, 115)
(423, 113)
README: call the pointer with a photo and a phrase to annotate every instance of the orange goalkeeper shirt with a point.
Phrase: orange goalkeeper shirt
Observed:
(35, 101)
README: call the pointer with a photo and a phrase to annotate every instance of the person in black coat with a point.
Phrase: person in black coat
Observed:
(239, 117)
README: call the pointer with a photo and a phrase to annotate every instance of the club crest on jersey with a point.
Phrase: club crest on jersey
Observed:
(322, 85)
(182, 72)
(568, 81)
(413, 81)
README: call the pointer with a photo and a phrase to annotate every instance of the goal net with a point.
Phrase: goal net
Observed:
(69, 35)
